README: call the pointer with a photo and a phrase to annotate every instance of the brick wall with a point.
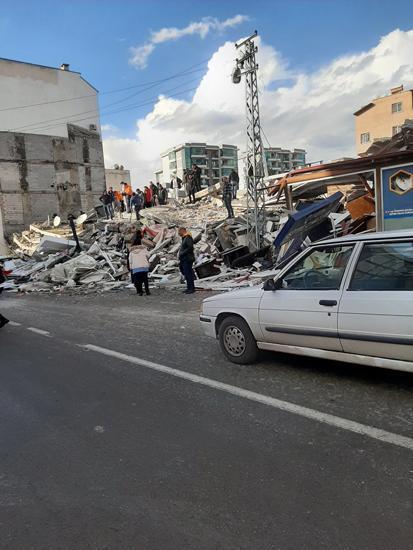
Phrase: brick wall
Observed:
(43, 175)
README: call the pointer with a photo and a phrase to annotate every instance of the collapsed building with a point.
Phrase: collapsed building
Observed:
(371, 193)
(51, 155)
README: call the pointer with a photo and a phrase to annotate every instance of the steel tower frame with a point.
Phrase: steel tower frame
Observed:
(254, 160)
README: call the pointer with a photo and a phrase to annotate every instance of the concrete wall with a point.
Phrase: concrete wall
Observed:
(379, 120)
(114, 178)
(26, 84)
(42, 175)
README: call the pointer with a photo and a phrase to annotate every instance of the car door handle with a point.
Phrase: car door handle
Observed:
(329, 303)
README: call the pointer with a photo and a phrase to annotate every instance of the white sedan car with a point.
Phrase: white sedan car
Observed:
(349, 299)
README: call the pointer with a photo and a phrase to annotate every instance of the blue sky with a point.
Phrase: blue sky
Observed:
(95, 37)
(319, 62)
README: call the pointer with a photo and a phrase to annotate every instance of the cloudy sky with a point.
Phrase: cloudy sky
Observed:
(163, 68)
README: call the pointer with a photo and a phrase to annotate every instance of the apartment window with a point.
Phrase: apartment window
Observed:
(396, 130)
(225, 152)
(365, 138)
(396, 107)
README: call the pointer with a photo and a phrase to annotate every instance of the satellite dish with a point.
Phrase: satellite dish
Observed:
(56, 221)
(81, 219)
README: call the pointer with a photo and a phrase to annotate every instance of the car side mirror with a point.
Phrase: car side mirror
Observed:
(272, 285)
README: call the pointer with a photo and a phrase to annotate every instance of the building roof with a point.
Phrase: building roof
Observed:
(393, 92)
(364, 109)
(49, 68)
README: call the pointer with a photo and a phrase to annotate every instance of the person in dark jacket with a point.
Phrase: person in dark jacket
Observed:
(137, 203)
(162, 195)
(234, 181)
(190, 188)
(227, 196)
(196, 173)
(186, 259)
(155, 193)
(105, 199)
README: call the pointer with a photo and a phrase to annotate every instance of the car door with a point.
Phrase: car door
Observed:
(376, 309)
(303, 311)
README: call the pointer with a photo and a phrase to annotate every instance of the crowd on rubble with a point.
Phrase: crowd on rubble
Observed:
(117, 202)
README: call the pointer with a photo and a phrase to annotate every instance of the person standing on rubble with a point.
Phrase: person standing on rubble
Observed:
(155, 191)
(234, 180)
(162, 195)
(147, 193)
(138, 264)
(105, 199)
(118, 202)
(137, 203)
(190, 188)
(196, 174)
(187, 259)
(227, 196)
(176, 184)
(127, 195)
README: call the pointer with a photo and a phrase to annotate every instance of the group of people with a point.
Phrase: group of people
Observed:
(138, 262)
(191, 183)
(130, 201)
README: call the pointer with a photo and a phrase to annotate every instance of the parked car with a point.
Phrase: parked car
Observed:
(348, 299)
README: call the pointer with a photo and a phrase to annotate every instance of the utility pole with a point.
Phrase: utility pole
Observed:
(254, 161)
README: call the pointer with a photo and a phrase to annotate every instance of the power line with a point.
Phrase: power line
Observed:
(149, 84)
(148, 102)
(58, 120)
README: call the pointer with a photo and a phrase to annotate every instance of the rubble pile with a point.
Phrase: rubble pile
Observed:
(46, 258)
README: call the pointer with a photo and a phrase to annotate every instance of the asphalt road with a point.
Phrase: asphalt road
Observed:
(110, 452)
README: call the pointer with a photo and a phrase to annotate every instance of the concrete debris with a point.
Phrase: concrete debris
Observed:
(46, 258)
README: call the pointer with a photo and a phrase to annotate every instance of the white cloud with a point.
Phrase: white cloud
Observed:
(313, 111)
(140, 54)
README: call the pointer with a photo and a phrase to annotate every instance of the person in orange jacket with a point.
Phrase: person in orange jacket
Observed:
(127, 195)
(118, 201)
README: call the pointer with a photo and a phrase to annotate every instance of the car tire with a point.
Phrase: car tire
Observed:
(237, 341)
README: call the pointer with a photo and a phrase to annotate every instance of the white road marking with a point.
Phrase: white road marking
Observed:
(313, 414)
(39, 331)
(14, 324)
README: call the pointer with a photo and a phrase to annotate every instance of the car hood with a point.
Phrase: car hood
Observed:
(250, 292)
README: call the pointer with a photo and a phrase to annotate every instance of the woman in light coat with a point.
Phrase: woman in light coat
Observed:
(138, 261)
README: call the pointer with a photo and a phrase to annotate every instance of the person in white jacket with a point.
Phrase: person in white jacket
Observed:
(138, 261)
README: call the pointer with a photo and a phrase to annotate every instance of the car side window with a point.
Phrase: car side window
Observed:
(384, 266)
(321, 269)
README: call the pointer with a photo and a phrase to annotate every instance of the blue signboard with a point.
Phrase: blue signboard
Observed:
(397, 197)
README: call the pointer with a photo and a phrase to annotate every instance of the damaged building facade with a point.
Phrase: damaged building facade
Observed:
(51, 156)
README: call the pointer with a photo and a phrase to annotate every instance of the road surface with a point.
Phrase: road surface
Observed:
(123, 427)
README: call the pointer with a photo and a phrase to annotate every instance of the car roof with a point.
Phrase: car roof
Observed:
(405, 233)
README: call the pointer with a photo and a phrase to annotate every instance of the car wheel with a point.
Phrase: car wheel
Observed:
(237, 341)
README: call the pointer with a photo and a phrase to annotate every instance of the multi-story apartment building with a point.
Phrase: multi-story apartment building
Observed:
(382, 117)
(51, 156)
(283, 160)
(215, 162)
